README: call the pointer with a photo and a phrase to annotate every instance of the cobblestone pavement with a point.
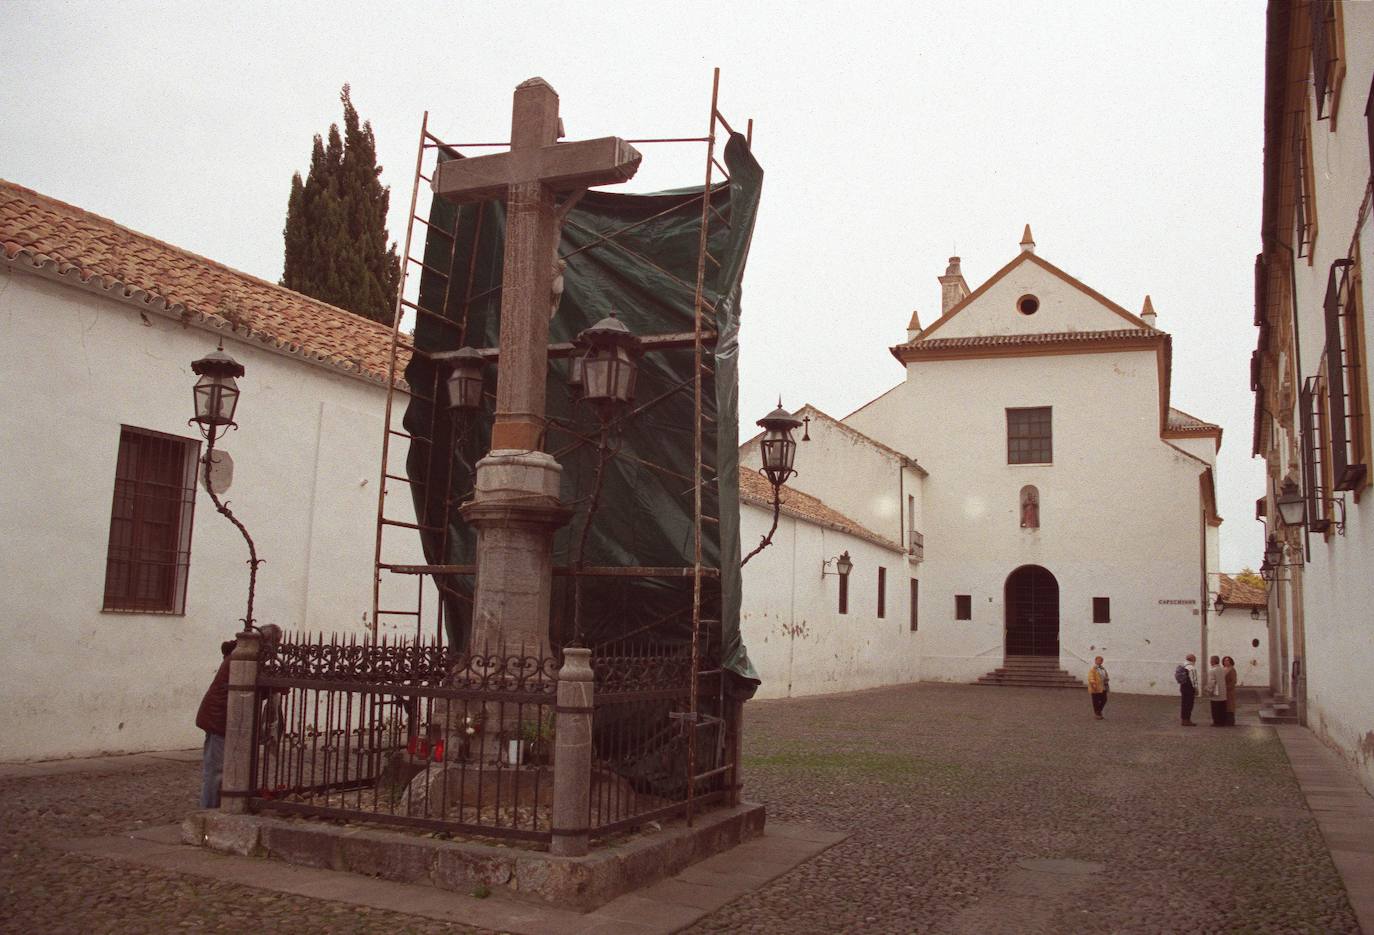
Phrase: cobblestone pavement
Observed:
(946, 788)
(942, 788)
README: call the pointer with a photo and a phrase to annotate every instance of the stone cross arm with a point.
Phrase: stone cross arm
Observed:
(558, 167)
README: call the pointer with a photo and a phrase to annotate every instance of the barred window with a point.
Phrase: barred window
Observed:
(1346, 382)
(149, 551)
(1304, 186)
(1029, 436)
(915, 603)
(1328, 53)
(1312, 413)
(882, 592)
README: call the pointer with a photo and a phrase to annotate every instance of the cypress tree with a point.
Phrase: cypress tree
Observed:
(335, 233)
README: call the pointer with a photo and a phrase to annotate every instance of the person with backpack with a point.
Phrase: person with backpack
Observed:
(1186, 676)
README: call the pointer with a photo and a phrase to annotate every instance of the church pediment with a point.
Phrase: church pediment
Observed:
(1030, 296)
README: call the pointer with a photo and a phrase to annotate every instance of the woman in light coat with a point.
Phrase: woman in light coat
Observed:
(1216, 691)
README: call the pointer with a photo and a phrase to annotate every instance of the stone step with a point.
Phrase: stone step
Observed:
(1030, 681)
(1277, 714)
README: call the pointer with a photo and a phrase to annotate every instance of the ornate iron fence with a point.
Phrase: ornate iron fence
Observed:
(410, 733)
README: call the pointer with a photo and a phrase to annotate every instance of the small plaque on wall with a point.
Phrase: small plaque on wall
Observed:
(220, 473)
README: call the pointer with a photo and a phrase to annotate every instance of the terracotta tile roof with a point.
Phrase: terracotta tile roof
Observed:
(1180, 421)
(1022, 340)
(43, 234)
(754, 488)
(1239, 594)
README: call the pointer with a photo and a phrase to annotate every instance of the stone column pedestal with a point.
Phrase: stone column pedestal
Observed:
(236, 783)
(572, 755)
(515, 510)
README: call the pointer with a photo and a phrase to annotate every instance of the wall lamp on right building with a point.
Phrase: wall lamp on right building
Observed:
(1292, 506)
(843, 565)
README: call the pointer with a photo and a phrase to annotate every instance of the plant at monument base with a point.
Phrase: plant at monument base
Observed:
(336, 235)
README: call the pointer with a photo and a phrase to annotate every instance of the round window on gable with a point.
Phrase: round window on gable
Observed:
(1028, 304)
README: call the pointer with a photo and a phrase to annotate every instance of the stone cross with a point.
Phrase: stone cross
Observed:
(515, 506)
(529, 176)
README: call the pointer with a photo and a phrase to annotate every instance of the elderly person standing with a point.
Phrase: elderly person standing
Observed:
(1098, 687)
(212, 717)
(1186, 676)
(1216, 691)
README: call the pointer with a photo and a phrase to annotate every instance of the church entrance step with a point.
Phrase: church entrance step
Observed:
(1031, 672)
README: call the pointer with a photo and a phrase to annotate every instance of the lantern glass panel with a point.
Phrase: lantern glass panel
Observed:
(596, 374)
(625, 371)
(1273, 554)
(1291, 509)
(465, 389)
(216, 398)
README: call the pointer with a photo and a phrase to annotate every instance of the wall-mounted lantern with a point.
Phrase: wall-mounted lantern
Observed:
(465, 380)
(1292, 506)
(1254, 613)
(609, 364)
(1219, 605)
(843, 565)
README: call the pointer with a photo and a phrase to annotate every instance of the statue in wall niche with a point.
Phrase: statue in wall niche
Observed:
(1030, 507)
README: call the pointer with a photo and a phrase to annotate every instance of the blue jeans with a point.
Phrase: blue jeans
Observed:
(211, 770)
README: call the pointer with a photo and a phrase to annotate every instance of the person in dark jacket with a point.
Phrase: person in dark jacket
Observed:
(211, 717)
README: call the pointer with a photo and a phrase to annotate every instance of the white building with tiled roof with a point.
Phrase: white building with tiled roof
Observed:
(120, 579)
(1061, 507)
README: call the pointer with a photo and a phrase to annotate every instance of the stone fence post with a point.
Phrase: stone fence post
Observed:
(236, 785)
(572, 755)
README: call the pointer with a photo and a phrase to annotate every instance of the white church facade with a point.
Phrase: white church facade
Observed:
(1048, 503)
(120, 580)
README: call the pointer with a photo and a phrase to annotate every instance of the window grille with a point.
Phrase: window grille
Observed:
(149, 550)
(1344, 370)
(1304, 194)
(1369, 124)
(1324, 58)
(1312, 415)
(1029, 438)
(915, 602)
(882, 592)
(844, 594)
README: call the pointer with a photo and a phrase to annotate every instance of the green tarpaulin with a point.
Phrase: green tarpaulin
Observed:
(637, 256)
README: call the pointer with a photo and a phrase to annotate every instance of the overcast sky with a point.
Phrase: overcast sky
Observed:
(892, 134)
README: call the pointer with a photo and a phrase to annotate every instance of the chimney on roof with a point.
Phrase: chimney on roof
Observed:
(1147, 313)
(1027, 241)
(913, 327)
(953, 289)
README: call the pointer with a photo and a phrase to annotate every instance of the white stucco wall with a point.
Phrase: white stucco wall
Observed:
(798, 641)
(74, 366)
(1337, 583)
(1120, 512)
(1232, 634)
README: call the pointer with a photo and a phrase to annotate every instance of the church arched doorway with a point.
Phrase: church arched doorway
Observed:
(1032, 603)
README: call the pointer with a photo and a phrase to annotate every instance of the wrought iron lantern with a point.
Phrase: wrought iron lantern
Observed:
(609, 365)
(1273, 552)
(1254, 613)
(778, 449)
(843, 565)
(1267, 570)
(1219, 605)
(1292, 507)
(216, 397)
(465, 380)
(216, 393)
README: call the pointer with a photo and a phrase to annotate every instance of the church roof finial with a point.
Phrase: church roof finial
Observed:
(1027, 241)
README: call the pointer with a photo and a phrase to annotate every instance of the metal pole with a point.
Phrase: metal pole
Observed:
(223, 508)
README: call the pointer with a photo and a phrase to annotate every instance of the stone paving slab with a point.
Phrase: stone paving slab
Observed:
(665, 907)
(1344, 813)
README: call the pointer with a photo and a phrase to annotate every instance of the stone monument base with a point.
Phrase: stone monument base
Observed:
(581, 883)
